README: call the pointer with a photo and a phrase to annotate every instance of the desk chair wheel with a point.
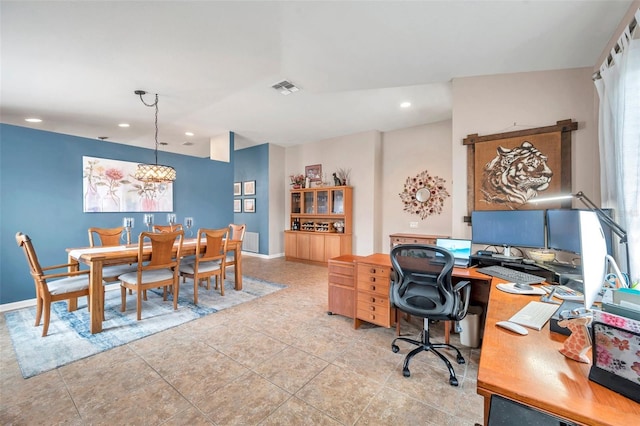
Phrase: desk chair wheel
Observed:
(406, 372)
(453, 381)
(460, 359)
(395, 349)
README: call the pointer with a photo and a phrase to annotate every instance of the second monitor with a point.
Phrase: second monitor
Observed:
(508, 228)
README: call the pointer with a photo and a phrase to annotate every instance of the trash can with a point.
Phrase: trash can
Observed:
(470, 334)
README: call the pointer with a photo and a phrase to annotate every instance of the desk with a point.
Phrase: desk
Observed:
(96, 259)
(529, 369)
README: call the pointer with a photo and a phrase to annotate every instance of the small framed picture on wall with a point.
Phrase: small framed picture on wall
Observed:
(237, 206)
(237, 189)
(249, 205)
(250, 187)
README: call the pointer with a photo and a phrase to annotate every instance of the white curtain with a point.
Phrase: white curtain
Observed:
(619, 138)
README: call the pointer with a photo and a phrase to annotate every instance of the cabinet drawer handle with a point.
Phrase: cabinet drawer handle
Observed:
(373, 288)
(373, 300)
(372, 270)
(372, 279)
(372, 308)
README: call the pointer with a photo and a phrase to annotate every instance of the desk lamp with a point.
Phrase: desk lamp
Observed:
(617, 229)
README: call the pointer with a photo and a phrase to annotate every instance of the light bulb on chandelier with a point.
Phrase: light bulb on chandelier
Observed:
(154, 173)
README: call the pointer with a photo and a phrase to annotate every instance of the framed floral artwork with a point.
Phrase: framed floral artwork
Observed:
(237, 189)
(237, 206)
(249, 205)
(250, 187)
(109, 186)
(314, 172)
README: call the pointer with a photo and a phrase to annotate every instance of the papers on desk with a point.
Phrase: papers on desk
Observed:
(511, 288)
(79, 252)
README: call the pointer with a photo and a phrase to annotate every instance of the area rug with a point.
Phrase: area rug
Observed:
(69, 338)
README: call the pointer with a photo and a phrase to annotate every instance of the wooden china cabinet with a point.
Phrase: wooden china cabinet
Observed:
(320, 224)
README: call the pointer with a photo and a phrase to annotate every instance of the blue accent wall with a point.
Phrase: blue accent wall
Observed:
(41, 196)
(253, 164)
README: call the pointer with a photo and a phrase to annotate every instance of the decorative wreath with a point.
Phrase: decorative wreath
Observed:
(431, 197)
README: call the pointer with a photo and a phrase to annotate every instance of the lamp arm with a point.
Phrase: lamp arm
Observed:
(620, 232)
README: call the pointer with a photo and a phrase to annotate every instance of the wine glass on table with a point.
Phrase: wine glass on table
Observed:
(128, 223)
(148, 220)
(188, 223)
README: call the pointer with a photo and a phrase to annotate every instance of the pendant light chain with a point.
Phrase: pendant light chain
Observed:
(156, 105)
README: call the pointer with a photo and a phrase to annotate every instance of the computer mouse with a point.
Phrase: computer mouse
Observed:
(512, 326)
(522, 286)
(528, 261)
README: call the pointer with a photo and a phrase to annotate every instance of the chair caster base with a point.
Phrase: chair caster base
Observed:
(460, 359)
(406, 372)
(395, 349)
(453, 381)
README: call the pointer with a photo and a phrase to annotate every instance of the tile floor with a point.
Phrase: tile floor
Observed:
(279, 360)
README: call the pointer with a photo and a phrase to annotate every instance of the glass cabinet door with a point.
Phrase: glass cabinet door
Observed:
(309, 202)
(295, 202)
(322, 198)
(337, 201)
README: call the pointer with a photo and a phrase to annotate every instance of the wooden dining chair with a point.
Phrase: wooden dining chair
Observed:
(160, 271)
(211, 254)
(167, 228)
(52, 287)
(236, 233)
(110, 237)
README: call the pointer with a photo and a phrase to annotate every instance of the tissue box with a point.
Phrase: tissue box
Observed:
(616, 345)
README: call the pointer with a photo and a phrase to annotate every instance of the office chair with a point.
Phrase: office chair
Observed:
(421, 286)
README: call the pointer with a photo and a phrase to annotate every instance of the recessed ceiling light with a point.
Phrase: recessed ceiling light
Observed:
(405, 105)
(163, 143)
(33, 120)
(123, 125)
(188, 133)
(187, 143)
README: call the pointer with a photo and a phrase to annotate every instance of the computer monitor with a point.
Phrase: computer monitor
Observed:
(593, 255)
(519, 228)
(563, 230)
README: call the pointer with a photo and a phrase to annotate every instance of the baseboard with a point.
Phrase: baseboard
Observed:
(262, 256)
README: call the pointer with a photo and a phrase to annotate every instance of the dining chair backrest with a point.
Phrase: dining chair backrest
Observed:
(167, 228)
(32, 259)
(108, 236)
(165, 250)
(237, 231)
(216, 245)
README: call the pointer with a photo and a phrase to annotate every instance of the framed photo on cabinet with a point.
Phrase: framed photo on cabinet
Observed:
(249, 205)
(237, 206)
(250, 187)
(314, 173)
(237, 189)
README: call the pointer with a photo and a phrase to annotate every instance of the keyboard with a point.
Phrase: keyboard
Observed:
(535, 315)
(511, 275)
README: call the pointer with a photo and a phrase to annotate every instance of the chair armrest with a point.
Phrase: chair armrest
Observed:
(66, 274)
(463, 287)
(63, 265)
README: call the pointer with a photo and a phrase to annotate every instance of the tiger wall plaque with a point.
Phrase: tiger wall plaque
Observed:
(507, 170)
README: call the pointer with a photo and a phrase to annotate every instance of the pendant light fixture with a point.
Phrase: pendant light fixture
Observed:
(154, 173)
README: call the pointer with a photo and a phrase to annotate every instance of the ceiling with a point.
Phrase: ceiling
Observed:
(76, 64)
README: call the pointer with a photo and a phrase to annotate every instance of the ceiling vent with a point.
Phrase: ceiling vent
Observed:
(285, 87)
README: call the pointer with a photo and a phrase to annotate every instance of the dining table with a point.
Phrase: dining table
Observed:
(98, 257)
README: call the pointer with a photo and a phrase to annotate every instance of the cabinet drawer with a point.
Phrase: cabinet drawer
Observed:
(379, 317)
(380, 273)
(413, 240)
(381, 288)
(367, 300)
(343, 280)
(342, 269)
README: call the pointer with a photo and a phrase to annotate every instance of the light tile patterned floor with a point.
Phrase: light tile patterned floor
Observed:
(279, 360)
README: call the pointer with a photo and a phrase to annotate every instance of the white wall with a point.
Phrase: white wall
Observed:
(277, 197)
(360, 153)
(406, 153)
(492, 104)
